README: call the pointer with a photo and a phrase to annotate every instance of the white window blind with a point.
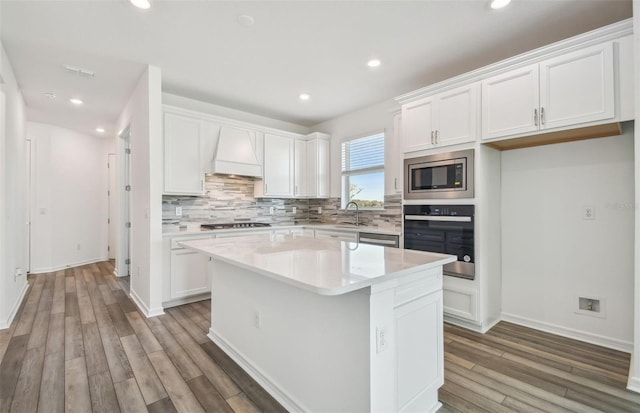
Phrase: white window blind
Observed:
(363, 171)
(363, 153)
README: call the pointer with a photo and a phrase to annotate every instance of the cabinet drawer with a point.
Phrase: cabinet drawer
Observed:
(418, 288)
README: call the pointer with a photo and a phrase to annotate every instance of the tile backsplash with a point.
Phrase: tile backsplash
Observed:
(230, 198)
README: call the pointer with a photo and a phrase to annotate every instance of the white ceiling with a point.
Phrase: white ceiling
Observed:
(320, 47)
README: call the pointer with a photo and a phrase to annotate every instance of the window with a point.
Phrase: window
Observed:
(363, 171)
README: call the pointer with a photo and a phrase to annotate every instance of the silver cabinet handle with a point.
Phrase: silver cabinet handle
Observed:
(432, 142)
(542, 116)
(535, 117)
(437, 136)
(266, 189)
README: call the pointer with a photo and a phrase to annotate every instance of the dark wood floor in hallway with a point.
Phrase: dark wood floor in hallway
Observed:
(79, 344)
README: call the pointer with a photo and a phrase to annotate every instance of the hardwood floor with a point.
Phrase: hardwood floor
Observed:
(514, 368)
(79, 344)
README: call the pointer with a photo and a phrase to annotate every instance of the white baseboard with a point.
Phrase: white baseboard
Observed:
(276, 392)
(148, 312)
(634, 384)
(181, 301)
(64, 267)
(620, 345)
(16, 306)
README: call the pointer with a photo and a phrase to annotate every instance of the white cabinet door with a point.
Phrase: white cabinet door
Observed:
(278, 166)
(417, 125)
(510, 103)
(301, 169)
(317, 169)
(577, 87)
(183, 174)
(189, 273)
(419, 352)
(448, 118)
(457, 116)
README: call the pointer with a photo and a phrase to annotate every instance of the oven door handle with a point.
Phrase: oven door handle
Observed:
(436, 218)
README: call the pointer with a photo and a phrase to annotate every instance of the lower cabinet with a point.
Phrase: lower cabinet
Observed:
(189, 273)
(341, 235)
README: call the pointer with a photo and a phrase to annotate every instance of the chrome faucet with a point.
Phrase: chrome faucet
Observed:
(357, 211)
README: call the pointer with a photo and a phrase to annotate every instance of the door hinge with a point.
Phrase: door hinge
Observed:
(128, 225)
(108, 220)
(108, 193)
(127, 188)
(127, 261)
(127, 151)
(108, 247)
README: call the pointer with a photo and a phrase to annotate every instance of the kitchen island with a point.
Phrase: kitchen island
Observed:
(327, 325)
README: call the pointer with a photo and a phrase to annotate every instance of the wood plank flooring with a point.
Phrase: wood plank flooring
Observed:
(79, 344)
(517, 369)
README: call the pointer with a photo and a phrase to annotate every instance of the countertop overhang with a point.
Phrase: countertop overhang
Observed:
(322, 266)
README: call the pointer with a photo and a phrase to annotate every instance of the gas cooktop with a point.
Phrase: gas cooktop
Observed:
(234, 225)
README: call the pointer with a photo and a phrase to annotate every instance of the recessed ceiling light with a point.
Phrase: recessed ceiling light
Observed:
(99, 129)
(246, 20)
(374, 63)
(50, 95)
(76, 101)
(141, 4)
(498, 4)
(304, 96)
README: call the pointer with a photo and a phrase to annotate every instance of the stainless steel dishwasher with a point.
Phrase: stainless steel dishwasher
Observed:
(386, 240)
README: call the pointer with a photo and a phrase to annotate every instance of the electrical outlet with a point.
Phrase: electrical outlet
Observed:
(588, 212)
(294, 210)
(319, 210)
(178, 211)
(272, 210)
(382, 341)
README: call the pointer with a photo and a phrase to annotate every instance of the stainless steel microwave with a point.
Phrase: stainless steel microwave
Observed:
(444, 175)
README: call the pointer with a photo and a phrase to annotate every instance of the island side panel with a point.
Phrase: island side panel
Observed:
(310, 351)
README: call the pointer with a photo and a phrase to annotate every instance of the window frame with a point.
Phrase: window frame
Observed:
(344, 175)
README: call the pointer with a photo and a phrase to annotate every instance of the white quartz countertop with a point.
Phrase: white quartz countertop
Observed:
(323, 266)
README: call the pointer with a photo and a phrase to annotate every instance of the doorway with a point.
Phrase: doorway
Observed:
(113, 206)
(123, 225)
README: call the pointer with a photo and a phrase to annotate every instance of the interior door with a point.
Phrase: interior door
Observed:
(111, 220)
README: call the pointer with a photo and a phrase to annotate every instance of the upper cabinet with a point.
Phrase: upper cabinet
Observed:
(183, 174)
(295, 167)
(447, 118)
(278, 166)
(570, 89)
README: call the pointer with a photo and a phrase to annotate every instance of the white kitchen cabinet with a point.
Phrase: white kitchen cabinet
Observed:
(561, 92)
(393, 168)
(183, 174)
(447, 118)
(341, 235)
(300, 169)
(317, 165)
(187, 275)
(278, 166)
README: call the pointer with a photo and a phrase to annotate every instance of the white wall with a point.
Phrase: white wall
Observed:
(13, 164)
(143, 115)
(634, 373)
(370, 119)
(550, 255)
(210, 108)
(69, 198)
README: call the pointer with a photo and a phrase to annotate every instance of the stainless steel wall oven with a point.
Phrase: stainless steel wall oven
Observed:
(447, 229)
